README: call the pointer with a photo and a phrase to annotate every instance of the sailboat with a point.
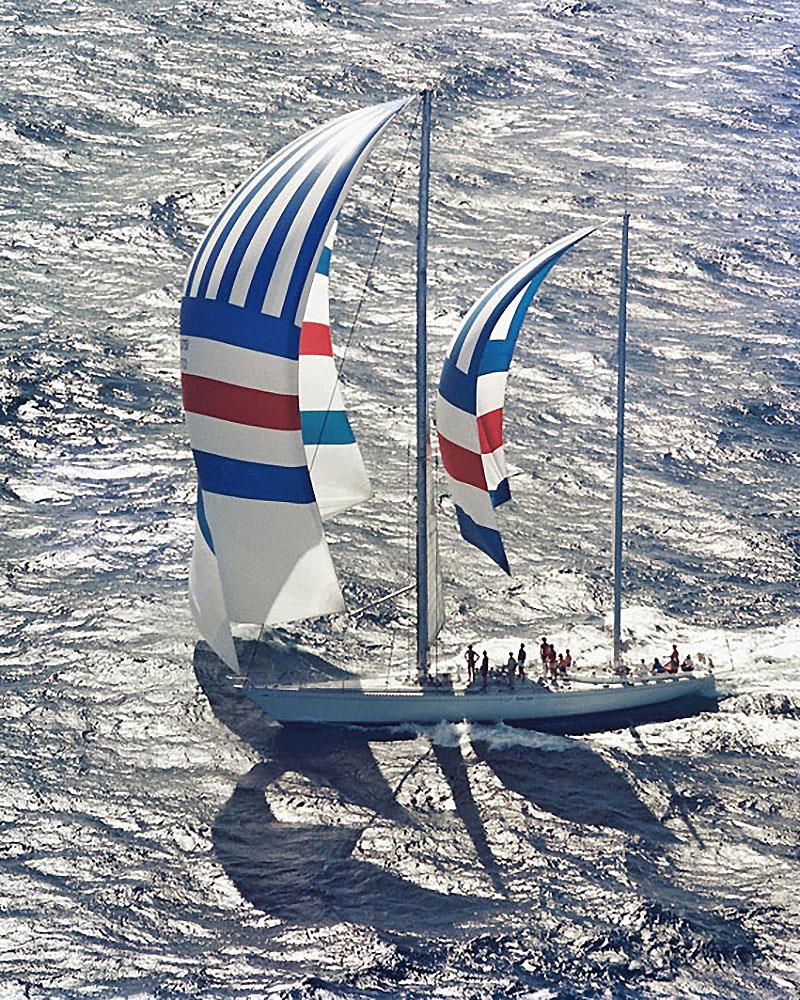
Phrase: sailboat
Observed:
(276, 455)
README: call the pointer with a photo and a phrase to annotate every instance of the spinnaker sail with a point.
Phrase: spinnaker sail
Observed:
(260, 554)
(469, 406)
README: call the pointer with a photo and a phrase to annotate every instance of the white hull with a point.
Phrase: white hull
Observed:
(341, 705)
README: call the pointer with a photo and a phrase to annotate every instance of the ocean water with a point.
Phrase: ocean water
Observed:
(157, 837)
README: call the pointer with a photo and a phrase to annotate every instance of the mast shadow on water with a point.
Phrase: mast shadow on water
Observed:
(577, 785)
(454, 769)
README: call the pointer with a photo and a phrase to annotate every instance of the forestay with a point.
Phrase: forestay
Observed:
(334, 460)
(469, 407)
(260, 553)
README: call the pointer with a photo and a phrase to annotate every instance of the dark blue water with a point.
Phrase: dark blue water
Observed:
(157, 838)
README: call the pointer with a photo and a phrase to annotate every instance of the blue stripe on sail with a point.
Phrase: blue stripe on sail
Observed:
(326, 427)
(254, 195)
(486, 539)
(239, 327)
(458, 388)
(233, 477)
(316, 231)
(277, 236)
(310, 142)
(496, 354)
(202, 521)
(265, 268)
(468, 323)
(501, 494)
(324, 265)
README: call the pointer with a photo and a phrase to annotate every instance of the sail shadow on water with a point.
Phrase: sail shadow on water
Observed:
(578, 785)
(339, 758)
(310, 873)
(593, 799)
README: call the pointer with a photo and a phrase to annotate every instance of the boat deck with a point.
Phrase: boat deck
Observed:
(361, 702)
(526, 687)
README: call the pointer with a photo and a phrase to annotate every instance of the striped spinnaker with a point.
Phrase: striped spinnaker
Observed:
(469, 406)
(259, 545)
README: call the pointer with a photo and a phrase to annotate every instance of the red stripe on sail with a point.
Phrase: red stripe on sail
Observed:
(462, 464)
(239, 404)
(490, 430)
(315, 338)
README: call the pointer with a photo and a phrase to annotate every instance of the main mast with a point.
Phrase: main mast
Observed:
(620, 451)
(422, 390)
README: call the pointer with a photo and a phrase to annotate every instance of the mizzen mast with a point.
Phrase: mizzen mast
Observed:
(620, 440)
(423, 640)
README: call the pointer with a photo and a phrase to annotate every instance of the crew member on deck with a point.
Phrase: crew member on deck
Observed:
(511, 667)
(543, 651)
(472, 658)
(674, 660)
(484, 671)
(522, 656)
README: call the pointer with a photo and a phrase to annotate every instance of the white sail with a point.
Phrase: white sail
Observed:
(205, 593)
(337, 470)
(245, 299)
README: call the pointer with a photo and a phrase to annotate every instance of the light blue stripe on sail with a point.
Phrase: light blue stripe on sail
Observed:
(326, 427)
(324, 265)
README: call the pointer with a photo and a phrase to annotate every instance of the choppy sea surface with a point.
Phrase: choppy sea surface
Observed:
(157, 837)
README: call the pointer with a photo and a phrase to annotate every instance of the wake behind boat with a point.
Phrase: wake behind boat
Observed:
(275, 452)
